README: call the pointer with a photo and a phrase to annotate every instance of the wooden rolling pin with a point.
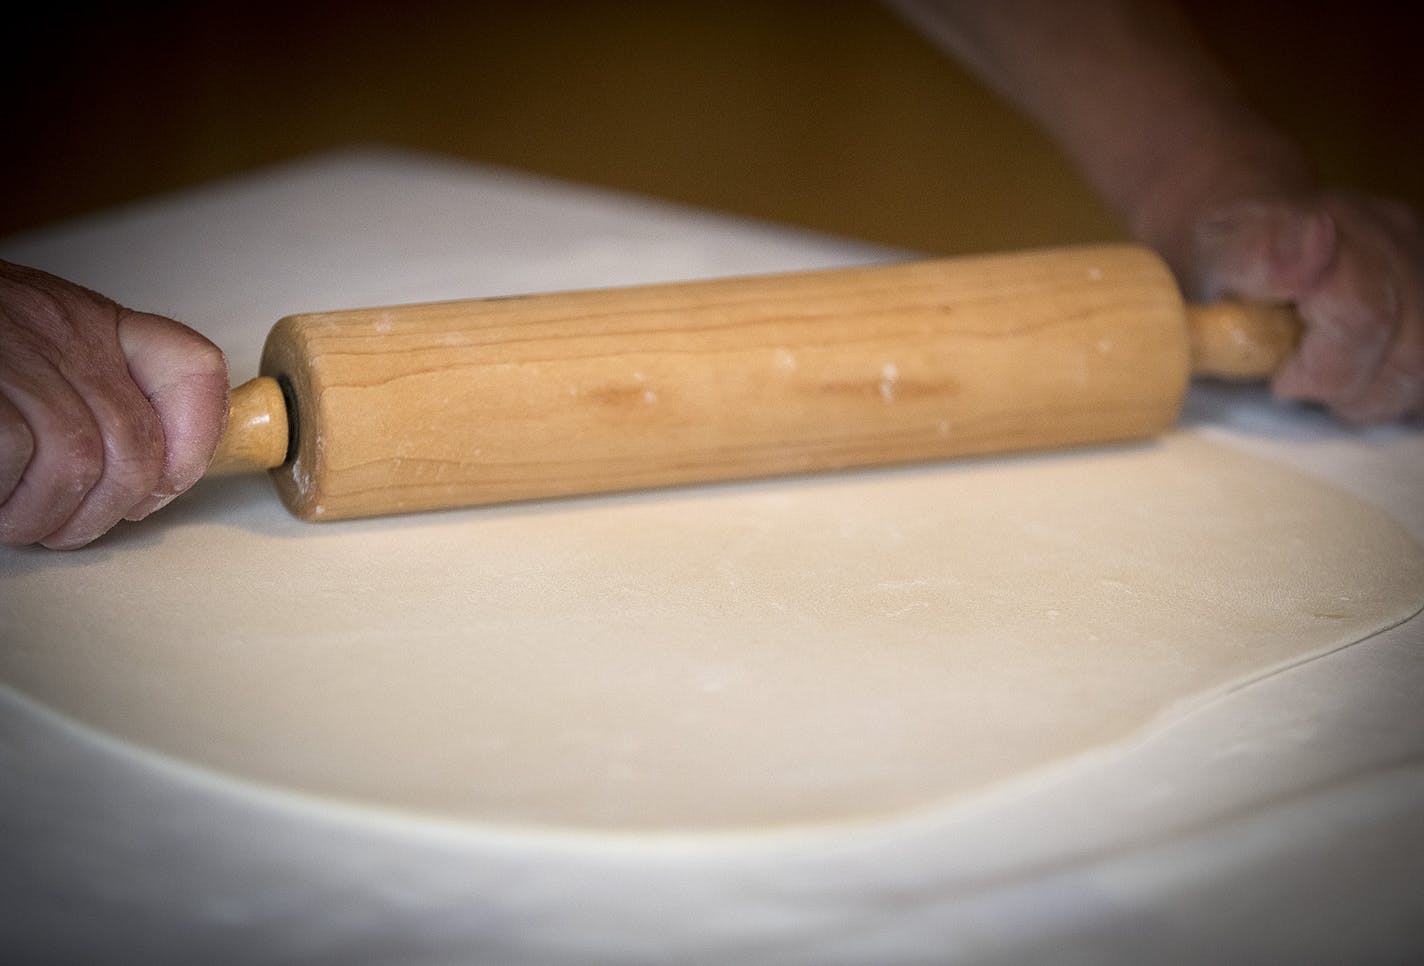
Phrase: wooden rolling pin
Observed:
(418, 407)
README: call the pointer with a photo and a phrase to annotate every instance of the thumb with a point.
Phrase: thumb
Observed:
(184, 377)
(1262, 250)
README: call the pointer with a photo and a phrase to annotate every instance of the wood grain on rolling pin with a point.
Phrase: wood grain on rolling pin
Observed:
(449, 404)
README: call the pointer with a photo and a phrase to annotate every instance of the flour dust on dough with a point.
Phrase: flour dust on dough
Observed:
(735, 657)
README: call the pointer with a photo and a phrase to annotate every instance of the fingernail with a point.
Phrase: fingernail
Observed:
(153, 504)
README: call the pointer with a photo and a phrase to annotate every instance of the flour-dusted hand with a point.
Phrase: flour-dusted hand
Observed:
(105, 413)
(1354, 268)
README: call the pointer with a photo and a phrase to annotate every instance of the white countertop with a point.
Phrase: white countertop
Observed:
(1284, 821)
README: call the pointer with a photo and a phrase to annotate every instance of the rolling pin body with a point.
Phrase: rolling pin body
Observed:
(448, 404)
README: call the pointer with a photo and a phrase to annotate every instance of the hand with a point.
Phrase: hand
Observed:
(1354, 267)
(105, 413)
(1133, 95)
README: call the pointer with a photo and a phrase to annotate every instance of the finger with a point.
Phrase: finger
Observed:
(1265, 251)
(184, 378)
(67, 460)
(1396, 388)
(1352, 318)
(1349, 325)
(132, 461)
(17, 445)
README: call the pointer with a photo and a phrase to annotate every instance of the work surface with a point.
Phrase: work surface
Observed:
(1282, 819)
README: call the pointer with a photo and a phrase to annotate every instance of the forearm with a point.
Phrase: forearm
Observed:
(1131, 96)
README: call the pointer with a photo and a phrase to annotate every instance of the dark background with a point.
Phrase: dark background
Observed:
(830, 115)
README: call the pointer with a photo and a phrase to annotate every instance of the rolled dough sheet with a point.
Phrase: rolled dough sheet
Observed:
(731, 658)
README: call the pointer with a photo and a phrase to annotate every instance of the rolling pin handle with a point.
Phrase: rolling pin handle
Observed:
(257, 436)
(1241, 341)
